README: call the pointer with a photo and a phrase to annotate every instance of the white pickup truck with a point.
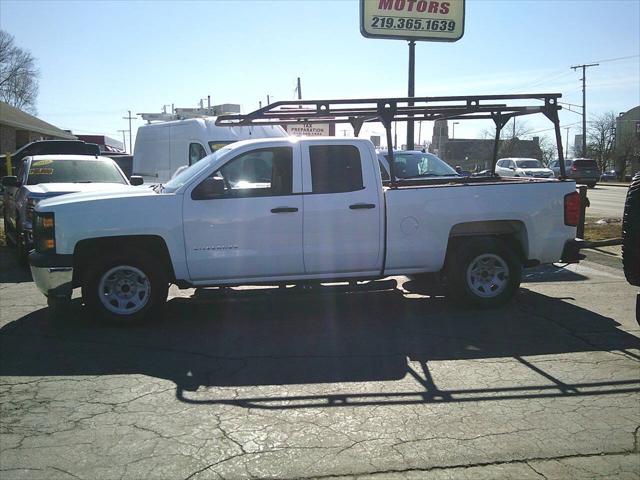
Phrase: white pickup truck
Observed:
(290, 211)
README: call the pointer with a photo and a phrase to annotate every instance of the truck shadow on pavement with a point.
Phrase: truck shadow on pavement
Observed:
(290, 343)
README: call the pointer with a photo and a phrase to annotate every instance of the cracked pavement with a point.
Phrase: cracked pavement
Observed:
(249, 383)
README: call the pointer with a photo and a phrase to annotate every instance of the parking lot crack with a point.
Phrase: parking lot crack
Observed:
(536, 471)
(65, 472)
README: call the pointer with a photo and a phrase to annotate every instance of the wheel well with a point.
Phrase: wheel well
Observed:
(512, 232)
(94, 247)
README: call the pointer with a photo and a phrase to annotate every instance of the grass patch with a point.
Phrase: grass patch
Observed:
(611, 228)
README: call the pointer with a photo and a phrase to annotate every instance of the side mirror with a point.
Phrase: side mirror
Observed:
(10, 181)
(512, 168)
(211, 187)
(136, 180)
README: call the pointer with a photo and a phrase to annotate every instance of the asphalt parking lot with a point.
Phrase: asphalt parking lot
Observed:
(270, 384)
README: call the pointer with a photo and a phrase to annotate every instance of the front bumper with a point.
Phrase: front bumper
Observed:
(53, 274)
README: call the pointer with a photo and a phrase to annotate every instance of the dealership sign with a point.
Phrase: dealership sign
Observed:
(428, 20)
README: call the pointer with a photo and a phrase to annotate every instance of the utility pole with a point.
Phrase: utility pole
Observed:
(299, 89)
(514, 128)
(268, 100)
(567, 148)
(124, 141)
(129, 117)
(584, 104)
(453, 132)
(411, 91)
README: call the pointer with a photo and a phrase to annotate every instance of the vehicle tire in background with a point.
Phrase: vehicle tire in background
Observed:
(631, 233)
(591, 185)
(125, 288)
(482, 272)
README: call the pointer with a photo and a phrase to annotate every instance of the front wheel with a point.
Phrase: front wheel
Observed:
(126, 288)
(483, 272)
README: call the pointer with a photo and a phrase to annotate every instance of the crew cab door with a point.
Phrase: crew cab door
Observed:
(343, 218)
(252, 229)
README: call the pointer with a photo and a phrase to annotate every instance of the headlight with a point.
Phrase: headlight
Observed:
(44, 233)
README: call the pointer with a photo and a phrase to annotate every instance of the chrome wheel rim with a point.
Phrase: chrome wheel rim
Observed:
(124, 290)
(487, 275)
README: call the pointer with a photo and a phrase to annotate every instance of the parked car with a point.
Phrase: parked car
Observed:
(555, 166)
(162, 148)
(631, 238)
(583, 170)
(48, 147)
(609, 176)
(45, 176)
(522, 167)
(415, 164)
(237, 217)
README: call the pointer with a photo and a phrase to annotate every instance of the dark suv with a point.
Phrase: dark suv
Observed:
(582, 170)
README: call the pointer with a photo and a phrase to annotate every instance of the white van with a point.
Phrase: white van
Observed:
(161, 148)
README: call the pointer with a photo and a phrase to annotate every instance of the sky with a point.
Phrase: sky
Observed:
(99, 59)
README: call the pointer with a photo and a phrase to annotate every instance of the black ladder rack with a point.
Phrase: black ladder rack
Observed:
(401, 109)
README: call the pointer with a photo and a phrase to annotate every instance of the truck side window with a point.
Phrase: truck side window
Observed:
(335, 168)
(196, 152)
(259, 173)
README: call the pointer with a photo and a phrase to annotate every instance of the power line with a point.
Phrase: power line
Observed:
(616, 59)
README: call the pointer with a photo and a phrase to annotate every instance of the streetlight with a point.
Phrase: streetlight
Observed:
(453, 132)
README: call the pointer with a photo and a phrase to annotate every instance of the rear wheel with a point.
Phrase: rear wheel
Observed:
(125, 288)
(591, 185)
(483, 272)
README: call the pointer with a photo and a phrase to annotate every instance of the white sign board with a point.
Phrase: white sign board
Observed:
(308, 129)
(428, 20)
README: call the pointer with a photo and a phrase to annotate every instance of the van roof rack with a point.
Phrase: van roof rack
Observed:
(499, 108)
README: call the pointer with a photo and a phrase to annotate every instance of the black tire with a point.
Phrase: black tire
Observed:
(144, 278)
(591, 185)
(486, 255)
(631, 233)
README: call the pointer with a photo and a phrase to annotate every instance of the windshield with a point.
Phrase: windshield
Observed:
(183, 177)
(409, 165)
(74, 171)
(528, 163)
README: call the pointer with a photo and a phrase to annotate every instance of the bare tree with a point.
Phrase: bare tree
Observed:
(18, 75)
(601, 139)
(627, 152)
(548, 148)
(515, 132)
